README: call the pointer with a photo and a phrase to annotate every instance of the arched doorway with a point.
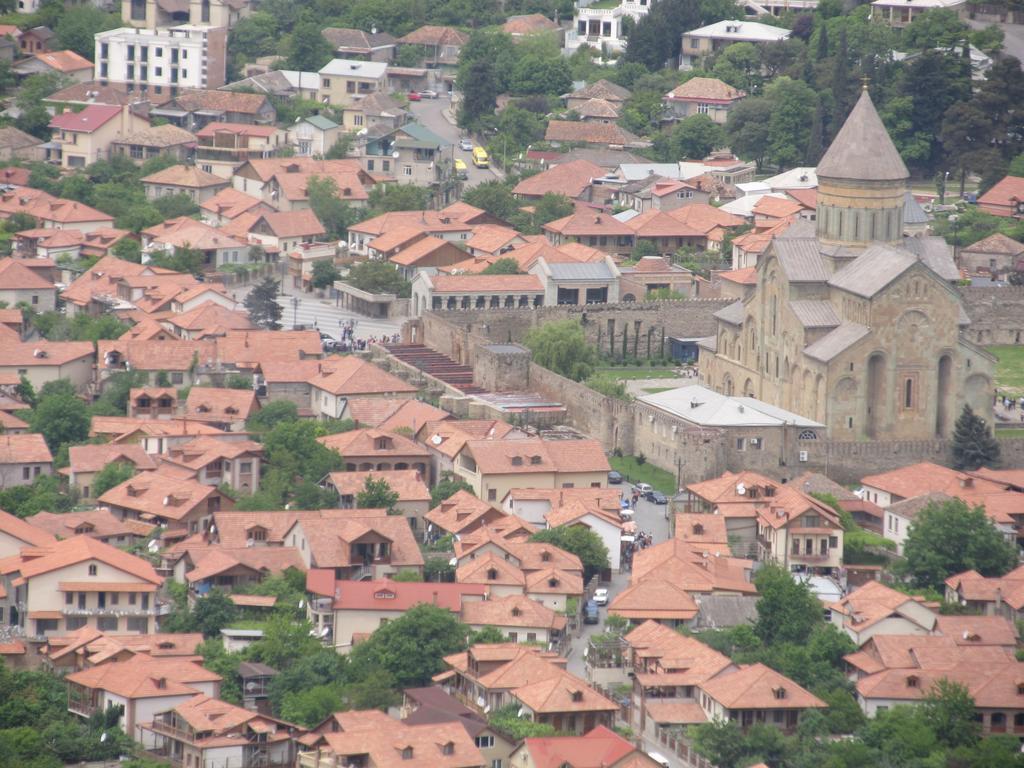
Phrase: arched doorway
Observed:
(875, 394)
(944, 389)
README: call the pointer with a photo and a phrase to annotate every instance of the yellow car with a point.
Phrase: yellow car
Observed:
(461, 169)
(480, 159)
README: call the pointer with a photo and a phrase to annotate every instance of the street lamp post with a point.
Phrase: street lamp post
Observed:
(295, 311)
(945, 180)
(954, 219)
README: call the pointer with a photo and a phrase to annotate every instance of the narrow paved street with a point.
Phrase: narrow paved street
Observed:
(1013, 40)
(312, 312)
(431, 113)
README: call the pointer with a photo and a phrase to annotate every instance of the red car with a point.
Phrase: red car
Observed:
(413, 96)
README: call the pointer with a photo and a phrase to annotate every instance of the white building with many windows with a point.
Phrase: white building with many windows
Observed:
(599, 23)
(187, 56)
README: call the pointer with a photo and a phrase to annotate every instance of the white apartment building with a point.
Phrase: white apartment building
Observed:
(598, 23)
(187, 56)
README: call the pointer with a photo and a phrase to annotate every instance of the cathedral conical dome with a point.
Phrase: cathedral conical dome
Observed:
(862, 183)
(862, 150)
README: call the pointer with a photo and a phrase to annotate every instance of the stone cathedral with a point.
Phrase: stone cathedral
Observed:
(852, 323)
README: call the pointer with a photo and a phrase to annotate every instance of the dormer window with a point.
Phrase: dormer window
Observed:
(779, 693)
(1020, 689)
(577, 696)
(516, 612)
(258, 533)
(92, 570)
(552, 583)
(535, 459)
(448, 748)
(913, 681)
(384, 594)
(545, 556)
(407, 753)
(517, 461)
(382, 443)
(492, 574)
(698, 529)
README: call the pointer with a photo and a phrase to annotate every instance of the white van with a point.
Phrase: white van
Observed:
(660, 759)
(643, 488)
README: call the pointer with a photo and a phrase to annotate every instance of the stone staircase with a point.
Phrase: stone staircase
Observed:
(435, 364)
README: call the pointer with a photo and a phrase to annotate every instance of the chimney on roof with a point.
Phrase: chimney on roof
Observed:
(967, 482)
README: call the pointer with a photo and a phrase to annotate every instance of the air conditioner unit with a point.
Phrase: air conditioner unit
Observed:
(803, 455)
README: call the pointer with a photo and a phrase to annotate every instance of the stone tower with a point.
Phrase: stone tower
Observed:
(862, 182)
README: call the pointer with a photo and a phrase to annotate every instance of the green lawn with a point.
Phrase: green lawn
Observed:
(656, 390)
(644, 473)
(1009, 369)
(1009, 433)
(630, 373)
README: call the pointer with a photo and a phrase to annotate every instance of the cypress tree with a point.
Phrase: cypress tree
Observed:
(973, 444)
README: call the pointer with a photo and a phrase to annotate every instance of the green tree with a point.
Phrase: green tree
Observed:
(786, 609)
(949, 711)
(720, 741)
(44, 495)
(173, 206)
(182, 259)
(284, 640)
(111, 475)
(25, 392)
(503, 266)
(377, 494)
(308, 50)
(411, 647)
(495, 197)
(739, 65)
(334, 213)
(61, 418)
(537, 74)
(973, 443)
(485, 62)
(261, 303)
(793, 105)
(747, 129)
(447, 486)
(128, 249)
(378, 277)
(508, 720)
(562, 347)
(949, 537)
(384, 198)
(78, 26)
(695, 137)
(935, 28)
(324, 274)
(272, 414)
(580, 541)
(212, 612)
(308, 707)
(339, 149)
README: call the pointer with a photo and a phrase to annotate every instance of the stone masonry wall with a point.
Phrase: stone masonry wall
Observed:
(997, 314)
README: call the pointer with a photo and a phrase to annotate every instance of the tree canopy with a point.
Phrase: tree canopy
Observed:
(561, 347)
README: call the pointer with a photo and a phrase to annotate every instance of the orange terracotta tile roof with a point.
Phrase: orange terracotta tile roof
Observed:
(15, 276)
(388, 595)
(692, 569)
(65, 62)
(571, 179)
(418, 250)
(144, 677)
(526, 24)
(410, 414)
(463, 512)
(407, 483)
(582, 512)
(449, 436)
(1007, 192)
(188, 176)
(331, 534)
(159, 495)
(486, 283)
(384, 741)
(93, 458)
(747, 276)
(655, 223)
(588, 132)
(401, 236)
(677, 713)
(554, 581)
(535, 455)
(435, 35)
(456, 217)
(213, 561)
(25, 532)
(975, 631)
(704, 217)
(80, 549)
(512, 611)
(756, 686)
(300, 223)
(211, 317)
(491, 238)
(373, 442)
(216, 403)
(529, 555)
(563, 693)
(776, 207)
(24, 448)
(589, 223)
(700, 529)
(253, 601)
(874, 602)
(705, 89)
(351, 375)
(99, 523)
(203, 451)
(490, 569)
(654, 599)
(43, 353)
(229, 203)
(808, 198)
(184, 232)
(295, 187)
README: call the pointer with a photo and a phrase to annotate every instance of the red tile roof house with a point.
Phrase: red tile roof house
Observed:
(337, 379)
(218, 248)
(355, 543)
(86, 461)
(89, 647)
(23, 458)
(517, 617)
(16, 534)
(81, 138)
(1006, 198)
(98, 524)
(19, 284)
(366, 449)
(225, 408)
(56, 588)
(142, 685)
(342, 612)
(42, 360)
(703, 96)
(189, 180)
(572, 179)
(600, 748)
(475, 292)
(413, 495)
(216, 462)
(500, 674)
(184, 505)
(596, 229)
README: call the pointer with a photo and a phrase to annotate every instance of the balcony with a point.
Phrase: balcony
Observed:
(128, 610)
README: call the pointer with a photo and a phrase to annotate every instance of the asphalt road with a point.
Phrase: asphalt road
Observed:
(431, 114)
(312, 312)
(1013, 40)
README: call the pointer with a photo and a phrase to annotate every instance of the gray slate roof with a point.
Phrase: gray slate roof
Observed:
(908, 508)
(878, 266)
(913, 213)
(836, 341)
(595, 270)
(732, 314)
(936, 254)
(815, 314)
(862, 150)
(720, 611)
(800, 260)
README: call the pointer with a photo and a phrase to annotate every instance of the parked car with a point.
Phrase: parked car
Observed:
(591, 615)
(643, 489)
(428, 94)
(465, 145)
(601, 596)
(657, 497)
(413, 96)
(461, 169)
(613, 477)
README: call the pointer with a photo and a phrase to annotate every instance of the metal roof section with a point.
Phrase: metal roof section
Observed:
(836, 341)
(707, 408)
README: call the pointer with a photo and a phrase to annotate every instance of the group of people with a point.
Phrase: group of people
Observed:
(348, 342)
(1009, 403)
